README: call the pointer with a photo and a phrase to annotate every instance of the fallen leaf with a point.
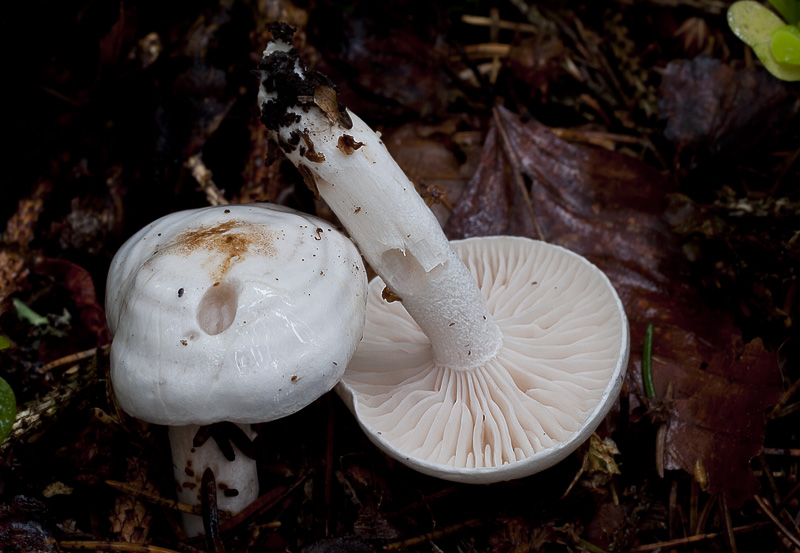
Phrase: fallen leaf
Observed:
(731, 388)
(489, 203)
(608, 207)
(428, 162)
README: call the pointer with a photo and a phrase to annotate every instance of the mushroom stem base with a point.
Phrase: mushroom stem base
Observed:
(237, 480)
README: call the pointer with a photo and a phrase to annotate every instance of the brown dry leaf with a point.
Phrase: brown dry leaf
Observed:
(428, 162)
(608, 207)
(486, 206)
(732, 387)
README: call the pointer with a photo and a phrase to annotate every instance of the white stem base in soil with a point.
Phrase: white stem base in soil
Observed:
(237, 481)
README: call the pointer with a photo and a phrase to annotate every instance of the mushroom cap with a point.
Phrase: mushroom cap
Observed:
(558, 373)
(241, 313)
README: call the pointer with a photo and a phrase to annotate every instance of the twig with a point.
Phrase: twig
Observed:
(789, 495)
(494, 36)
(773, 485)
(487, 50)
(71, 358)
(515, 170)
(607, 140)
(703, 518)
(83, 545)
(727, 524)
(156, 499)
(436, 534)
(37, 413)
(208, 501)
(787, 395)
(694, 539)
(202, 175)
(262, 504)
(481, 21)
(785, 533)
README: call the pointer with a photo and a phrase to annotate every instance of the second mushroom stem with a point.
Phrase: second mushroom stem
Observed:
(347, 163)
(237, 479)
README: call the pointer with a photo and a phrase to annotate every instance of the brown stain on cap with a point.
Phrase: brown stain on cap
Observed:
(229, 243)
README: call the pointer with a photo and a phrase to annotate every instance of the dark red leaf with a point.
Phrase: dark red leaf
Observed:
(608, 207)
(715, 401)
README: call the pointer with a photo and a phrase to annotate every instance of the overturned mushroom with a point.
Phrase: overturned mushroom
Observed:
(234, 314)
(449, 390)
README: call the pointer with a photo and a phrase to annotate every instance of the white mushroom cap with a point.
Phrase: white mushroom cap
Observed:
(557, 374)
(241, 313)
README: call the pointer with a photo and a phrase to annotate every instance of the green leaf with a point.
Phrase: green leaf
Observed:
(647, 362)
(25, 313)
(754, 24)
(789, 9)
(786, 44)
(8, 409)
(4, 342)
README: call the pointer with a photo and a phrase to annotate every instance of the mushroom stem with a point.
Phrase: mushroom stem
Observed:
(346, 162)
(237, 480)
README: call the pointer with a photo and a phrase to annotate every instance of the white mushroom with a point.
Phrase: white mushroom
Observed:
(241, 314)
(555, 377)
(449, 390)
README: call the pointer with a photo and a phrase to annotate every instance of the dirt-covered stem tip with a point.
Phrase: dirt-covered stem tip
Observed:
(346, 163)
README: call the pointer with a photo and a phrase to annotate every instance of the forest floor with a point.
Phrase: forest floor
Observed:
(641, 134)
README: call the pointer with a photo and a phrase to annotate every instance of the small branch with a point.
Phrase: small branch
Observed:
(208, 501)
(481, 21)
(112, 546)
(787, 536)
(72, 358)
(694, 539)
(262, 504)
(787, 395)
(202, 175)
(156, 499)
(436, 534)
(727, 524)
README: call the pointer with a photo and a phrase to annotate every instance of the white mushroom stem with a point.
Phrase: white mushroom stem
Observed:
(381, 209)
(237, 480)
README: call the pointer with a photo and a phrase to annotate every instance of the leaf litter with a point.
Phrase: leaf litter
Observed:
(128, 94)
(609, 208)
